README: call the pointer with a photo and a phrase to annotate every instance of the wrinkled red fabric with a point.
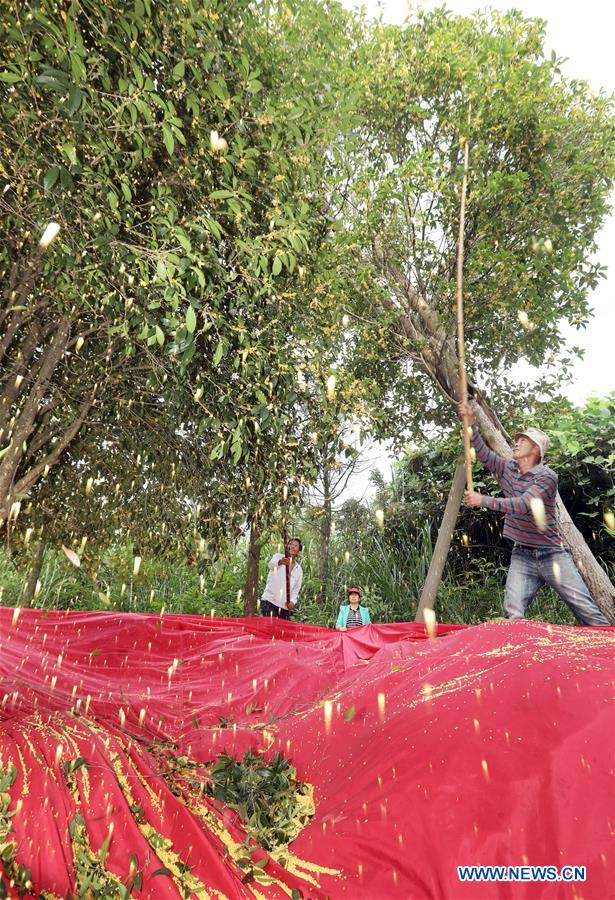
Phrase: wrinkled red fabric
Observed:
(488, 745)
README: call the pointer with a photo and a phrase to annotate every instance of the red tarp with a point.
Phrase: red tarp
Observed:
(490, 745)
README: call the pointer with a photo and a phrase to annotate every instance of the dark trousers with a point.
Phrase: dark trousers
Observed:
(270, 610)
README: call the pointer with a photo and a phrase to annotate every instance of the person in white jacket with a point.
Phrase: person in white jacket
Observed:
(274, 602)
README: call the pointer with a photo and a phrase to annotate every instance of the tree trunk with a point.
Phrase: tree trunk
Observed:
(324, 547)
(23, 426)
(250, 593)
(29, 590)
(443, 543)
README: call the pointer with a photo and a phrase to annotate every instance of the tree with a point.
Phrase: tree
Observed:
(542, 152)
(336, 462)
(182, 157)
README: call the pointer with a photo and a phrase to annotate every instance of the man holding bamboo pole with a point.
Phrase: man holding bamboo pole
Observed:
(283, 582)
(539, 555)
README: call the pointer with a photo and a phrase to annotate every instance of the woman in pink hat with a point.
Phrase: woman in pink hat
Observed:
(352, 614)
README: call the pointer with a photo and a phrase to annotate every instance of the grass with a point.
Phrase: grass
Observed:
(390, 578)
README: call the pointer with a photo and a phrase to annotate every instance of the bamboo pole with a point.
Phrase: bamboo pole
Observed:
(443, 543)
(463, 379)
(285, 538)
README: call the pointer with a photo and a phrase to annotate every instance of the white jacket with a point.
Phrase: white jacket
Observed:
(275, 589)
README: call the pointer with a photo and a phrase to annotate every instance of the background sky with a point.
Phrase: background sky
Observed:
(582, 33)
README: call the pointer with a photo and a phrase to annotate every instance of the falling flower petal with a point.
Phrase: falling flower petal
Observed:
(49, 235)
(217, 143)
(71, 556)
(538, 512)
(431, 625)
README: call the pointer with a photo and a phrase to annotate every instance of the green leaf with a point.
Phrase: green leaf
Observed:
(276, 268)
(51, 177)
(74, 98)
(178, 70)
(218, 353)
(136, 71)
(221, 195)
(10, 77)
(66, 179)
(190, 319)
(184, 241)
(77, 68)
(167, 136)
(102, 854)
(75, 764)
(70, 152)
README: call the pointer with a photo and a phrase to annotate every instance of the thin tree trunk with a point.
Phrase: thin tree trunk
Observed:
(325, 538)
(24, 424)
(18, 373)
(250, 593)
(443, 543)
(29, 591)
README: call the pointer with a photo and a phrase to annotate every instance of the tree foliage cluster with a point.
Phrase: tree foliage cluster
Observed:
(542, 152)
(154, 354)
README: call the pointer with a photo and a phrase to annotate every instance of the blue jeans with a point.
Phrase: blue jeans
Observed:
(531, 568)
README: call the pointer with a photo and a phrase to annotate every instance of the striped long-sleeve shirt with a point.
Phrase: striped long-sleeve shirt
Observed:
(529, 499)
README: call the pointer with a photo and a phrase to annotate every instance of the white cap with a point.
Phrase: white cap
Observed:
(537, 437)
